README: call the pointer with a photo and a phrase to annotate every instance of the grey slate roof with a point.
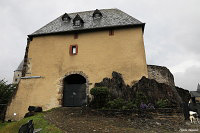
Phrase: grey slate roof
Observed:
(110, 18)
(20, 67)
(195, 94)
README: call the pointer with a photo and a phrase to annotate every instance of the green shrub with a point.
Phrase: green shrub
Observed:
(101, 97)
(116, 103)
(99, 91)
(162, 103)
(129, 105)
(140, 98)
(120, 104)
(6, 92)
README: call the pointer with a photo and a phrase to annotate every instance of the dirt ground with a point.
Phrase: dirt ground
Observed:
(76, 120)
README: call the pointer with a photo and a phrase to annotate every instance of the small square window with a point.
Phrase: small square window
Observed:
(97, 15)
(73, 49)
(77, 23)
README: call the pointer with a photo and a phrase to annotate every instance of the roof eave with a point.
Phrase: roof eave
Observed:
(89, 29)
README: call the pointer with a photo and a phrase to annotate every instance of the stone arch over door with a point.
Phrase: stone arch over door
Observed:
(62, 85)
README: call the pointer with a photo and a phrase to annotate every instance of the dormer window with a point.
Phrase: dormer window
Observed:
(78, 21)
(66, 18)
(97, 14)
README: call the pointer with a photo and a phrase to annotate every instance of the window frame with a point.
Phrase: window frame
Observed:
(71, 49)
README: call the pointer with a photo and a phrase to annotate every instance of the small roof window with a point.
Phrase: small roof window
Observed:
(78, 21)
(66, 18)
(97, 14)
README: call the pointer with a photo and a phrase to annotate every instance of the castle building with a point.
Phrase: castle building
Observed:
(195, 95)
(66, 57)
(18, 73)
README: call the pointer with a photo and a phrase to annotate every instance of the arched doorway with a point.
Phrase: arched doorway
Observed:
(74, 91)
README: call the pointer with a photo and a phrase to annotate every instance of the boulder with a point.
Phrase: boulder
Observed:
(34, 109)
(31, 108)
(29, 114)
(38, 109)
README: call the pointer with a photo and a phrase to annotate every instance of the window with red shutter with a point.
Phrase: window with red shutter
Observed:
(73, 50)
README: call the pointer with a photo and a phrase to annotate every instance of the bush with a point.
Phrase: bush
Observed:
(162, 103)
(101, 97)
(6, 92)
(116, 103)
(129, 105)
(120, 104)
(140, 98)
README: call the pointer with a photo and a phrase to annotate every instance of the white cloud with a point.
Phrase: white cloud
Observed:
(189, 78)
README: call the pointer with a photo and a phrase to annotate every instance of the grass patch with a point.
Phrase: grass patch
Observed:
(38, 120)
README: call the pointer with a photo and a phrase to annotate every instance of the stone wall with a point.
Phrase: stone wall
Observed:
(161, 74)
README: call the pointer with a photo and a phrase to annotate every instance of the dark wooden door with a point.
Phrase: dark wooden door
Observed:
(74, 95)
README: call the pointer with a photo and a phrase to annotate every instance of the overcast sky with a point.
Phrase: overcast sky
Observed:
(172, 31)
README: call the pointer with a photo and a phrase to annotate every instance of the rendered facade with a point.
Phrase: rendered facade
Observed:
(66, 57)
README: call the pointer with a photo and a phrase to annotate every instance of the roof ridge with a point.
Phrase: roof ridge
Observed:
(91, 11)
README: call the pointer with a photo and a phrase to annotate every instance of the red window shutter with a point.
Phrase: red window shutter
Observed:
(111, 32)
(76, 49)
(76, 36)
(70, 49)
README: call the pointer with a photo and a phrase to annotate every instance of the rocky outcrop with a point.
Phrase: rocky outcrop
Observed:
(161, 74)
(153, 90)
(116, 85)
(184, 94)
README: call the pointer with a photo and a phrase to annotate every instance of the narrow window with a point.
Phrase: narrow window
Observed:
(76, 36)
(73, 50)
(111, 32)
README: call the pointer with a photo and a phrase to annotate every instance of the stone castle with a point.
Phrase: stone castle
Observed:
(66, 57)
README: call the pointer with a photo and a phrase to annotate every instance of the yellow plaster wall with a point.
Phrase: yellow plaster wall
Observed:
(98, 56)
